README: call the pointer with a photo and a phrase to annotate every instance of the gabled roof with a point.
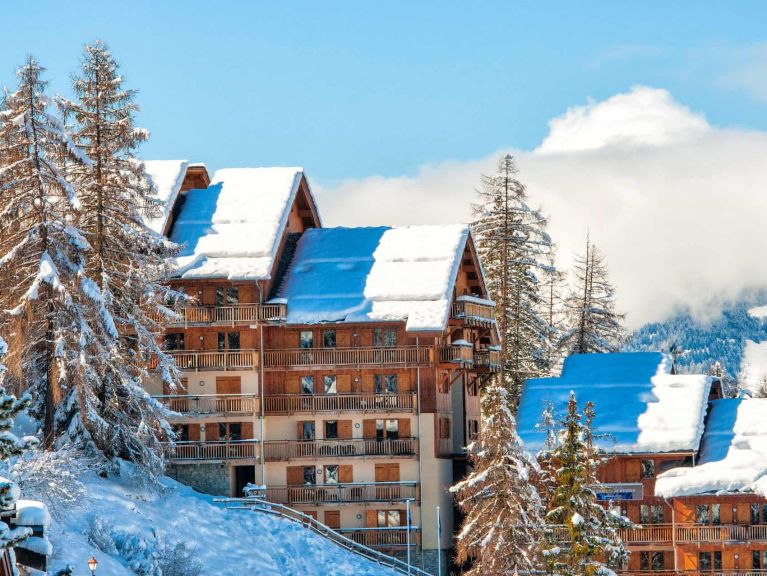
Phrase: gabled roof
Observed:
(232, 229)
(639, 404)
(375, 274)
(167, 177)
(733, 456)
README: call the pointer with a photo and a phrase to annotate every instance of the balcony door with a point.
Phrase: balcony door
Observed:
(387, 473)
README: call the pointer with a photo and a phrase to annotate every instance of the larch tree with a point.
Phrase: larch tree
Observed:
(552, 288)
(127, 262)
(514, 246)
(503, 511)
(593, 324)
(44, 290)
(589, 543)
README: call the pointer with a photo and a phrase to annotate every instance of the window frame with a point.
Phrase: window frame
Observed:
(329, 338)
(331, 383)
(306, 337)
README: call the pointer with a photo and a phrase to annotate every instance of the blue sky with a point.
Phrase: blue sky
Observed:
(353, 89)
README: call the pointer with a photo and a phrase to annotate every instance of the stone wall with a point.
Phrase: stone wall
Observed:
(426, 560)
(207, 478)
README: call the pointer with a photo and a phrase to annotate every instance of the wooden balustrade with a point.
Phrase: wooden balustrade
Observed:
(337, 493)
(292, 403)
(473, 313)
(457, 354)
(231, 315)
(302, 357)
(294, 449)
(393, 537)
(487, 360)
(204, 404)
(196, 360)
(747, 572)
(684, 534)
(212, 450)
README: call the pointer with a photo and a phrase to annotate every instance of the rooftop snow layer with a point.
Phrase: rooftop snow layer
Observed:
(167, 177)
(733, 456)
(232, 228)
(375, 274)
(639, 404)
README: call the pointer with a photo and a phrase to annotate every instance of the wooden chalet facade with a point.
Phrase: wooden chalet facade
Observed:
(344, 417)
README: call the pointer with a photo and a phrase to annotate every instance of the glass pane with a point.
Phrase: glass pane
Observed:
(330, 384)
(764, 506)
(331, 474)
(307, 339)
(377, 337)
(715, 517)
(222, 431)
(391, 383)
(392, 429)
(331, 429)
(657, 514)
(701, 513)
(754, 513)
(307, 384)
(221, 341)
(309, 475)
(648, 469)
(379, 429)
(378, 383)
(717, 560)
(329, 338)
(381, 518)
(704, 560)
(390, 337)
(232, 296)
(657, 561)
(235, 431)
(219, 296)
(308, 431)
(644, 561)
(234, 340)
(756, 560)
(644, 514)
(394, 518)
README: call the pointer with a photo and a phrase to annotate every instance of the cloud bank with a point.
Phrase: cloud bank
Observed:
(679, 207)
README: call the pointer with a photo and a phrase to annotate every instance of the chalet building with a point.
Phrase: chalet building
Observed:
(338, 367)
(688, 467)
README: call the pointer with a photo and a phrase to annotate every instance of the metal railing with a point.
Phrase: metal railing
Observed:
(400, 356)
(215, 359)
(216, 450)
(317, 494)
(276, 450)
(291, 403)
(210, 404)
(390, 538)
(231, 315)
(310, 523)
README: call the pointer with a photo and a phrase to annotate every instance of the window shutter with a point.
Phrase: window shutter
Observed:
(403, 382)
(295, 475)
(393, 472)
(345, 429)
(228, 385)
(292, 384)
(381, 472)
(247, 431)
(369, 429)
(292, 338)
(312, 513)
(208, 295)
(633, 468)
(333, 519)
(371, 518)
(300, 430)
(211, 431)
(344, 383)
(368, 384)
(194, 432)
(404, 427)
(345, 474)
(343, 339)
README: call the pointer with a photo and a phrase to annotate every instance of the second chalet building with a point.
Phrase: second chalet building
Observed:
(687, 466)
(338, 367)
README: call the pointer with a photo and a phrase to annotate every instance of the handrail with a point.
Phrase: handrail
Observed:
(348, 356)
(191, 450)
(259, 505)
(240, 359)
(206, 404)
(292, 403)
(276, 450)
(233, 314)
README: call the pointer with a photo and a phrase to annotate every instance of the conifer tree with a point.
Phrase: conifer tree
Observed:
(552, 286)
(44, 290)
(593, 324)
(503, 511)
(590, 543)
(513, 245)
(127, 262)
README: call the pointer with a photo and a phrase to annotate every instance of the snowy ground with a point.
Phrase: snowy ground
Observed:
(754, 364)
(227, 542)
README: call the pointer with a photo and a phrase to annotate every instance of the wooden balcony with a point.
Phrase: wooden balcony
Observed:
(281, 450)
(302, 358)
(230, 315)
(486, 360)
(293, 403)
(473, 312)
(388, 538)
(212, 404)
(198, 360)
(317, 494)
(671, 572)
(459, 354)
(212, 451)
(681, 534)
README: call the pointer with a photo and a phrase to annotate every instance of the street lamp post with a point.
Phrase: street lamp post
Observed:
(93, 564)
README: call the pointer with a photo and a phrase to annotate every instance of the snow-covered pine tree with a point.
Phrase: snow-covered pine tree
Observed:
(503, 511)
(593, 324)
(514, 246)
(552, 286)
(590, 543)
(127, 261)
(43, 287)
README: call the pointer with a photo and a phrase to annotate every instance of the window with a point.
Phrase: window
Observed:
(232, 296)
(704, 561)
(718, 560)
(472, 388)
(473, 429)
(388, 518)
(228, 340)
(307, 431)
(385, 384)
(384, 337)
(174, 341)
(331, 429)
(220, 296)
(755, 518)
(657, 561)
(231, 431)
(657, 514)
(444, 428)
(758, 559)
(387, 429)
(329, 338)
(716, 518)
(309, 475)
(182, 432)
(648, 468)
(330, 384)
(701, 514)
(650, 514)
(307, 384)
(307, 339)
(651, 561)
(331, 474)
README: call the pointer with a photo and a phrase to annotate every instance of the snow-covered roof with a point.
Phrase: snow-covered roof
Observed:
(232, 228)
(733, 456)
(167, 177)
(32, 513)
(375, 274)
(639, 404)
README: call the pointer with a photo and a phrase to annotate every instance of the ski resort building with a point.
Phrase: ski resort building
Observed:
(340, 368)
(688, 467)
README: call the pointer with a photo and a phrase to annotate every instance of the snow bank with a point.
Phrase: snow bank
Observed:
(753, 365)
(232, 229)
(758, 312)
(733, 457)
(167, 177)
(32, 513)
(639, 404)
(227, 542)
(375, 274)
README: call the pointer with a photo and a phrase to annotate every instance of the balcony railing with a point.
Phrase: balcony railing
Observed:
(195, 360)
(457, 354)
(339, 493)
(215, 450)
(295, 449)
(390, 538)
(487, 360)
(667, 533)
(211, 404)
(692, 573)
(231, 315)
(292, 403)
(302, 357)
(473, 313)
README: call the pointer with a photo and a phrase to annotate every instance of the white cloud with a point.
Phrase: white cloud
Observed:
(678, 207)
(746, 70)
